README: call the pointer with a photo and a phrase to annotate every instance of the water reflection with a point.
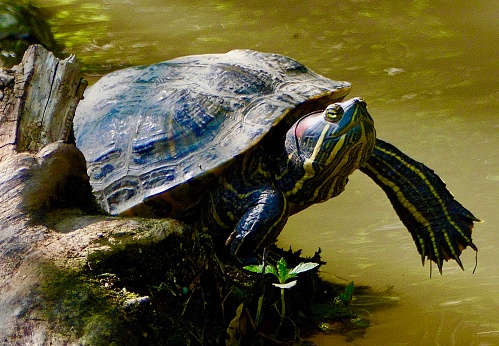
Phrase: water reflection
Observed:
(428, 70)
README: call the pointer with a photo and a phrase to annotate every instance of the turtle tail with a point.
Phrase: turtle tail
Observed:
(440, 225)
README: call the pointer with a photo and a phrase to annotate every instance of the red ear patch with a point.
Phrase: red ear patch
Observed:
(304, 124)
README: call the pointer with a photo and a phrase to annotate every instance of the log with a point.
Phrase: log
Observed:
(54, 243)
(9, 113)
(38, 101)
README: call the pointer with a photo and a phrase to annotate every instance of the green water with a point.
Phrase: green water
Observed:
(429, 72)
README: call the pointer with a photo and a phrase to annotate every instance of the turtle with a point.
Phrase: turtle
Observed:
(237, 142)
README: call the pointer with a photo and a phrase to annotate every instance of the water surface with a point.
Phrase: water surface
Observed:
(429, 72)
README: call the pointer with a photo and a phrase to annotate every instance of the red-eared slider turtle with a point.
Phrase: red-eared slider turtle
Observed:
(249, 138)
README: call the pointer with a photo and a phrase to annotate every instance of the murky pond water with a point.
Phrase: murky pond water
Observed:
(429, 72)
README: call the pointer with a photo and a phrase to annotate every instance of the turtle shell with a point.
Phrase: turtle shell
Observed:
(146, 131)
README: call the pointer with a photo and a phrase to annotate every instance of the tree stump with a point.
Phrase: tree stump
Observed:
(38, 99)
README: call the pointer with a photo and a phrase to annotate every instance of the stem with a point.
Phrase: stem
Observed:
(283, 309)
(259, 311)
(262, 283)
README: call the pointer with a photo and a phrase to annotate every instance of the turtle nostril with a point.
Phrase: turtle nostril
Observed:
(361, 101)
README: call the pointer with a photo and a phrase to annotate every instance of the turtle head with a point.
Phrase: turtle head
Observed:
(324, 148)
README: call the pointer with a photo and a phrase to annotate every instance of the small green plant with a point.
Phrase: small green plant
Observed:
(345, 298)
(283, 274)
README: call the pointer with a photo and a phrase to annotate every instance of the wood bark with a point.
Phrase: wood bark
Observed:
(46, 232)
(38, 100)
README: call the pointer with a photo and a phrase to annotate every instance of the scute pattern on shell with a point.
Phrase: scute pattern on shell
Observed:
(146, 130)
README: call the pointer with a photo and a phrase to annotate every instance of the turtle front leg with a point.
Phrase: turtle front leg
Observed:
(440, 225)
(266, 213)
(254, 219)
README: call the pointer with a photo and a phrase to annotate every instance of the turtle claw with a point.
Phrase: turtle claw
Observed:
(446, 243)
(458, 260)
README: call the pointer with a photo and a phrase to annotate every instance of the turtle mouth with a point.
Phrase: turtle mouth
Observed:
(355, 115)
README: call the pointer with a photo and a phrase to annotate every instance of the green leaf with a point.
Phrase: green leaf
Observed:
(255, 268)
(282, 270)
(258, 268)
(288, 285)
(346, 297)
(270, 269)
(302, 267)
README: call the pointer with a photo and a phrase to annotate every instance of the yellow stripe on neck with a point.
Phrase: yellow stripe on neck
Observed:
(308, 164)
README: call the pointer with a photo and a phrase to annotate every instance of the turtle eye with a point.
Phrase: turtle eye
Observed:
(333, 113)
